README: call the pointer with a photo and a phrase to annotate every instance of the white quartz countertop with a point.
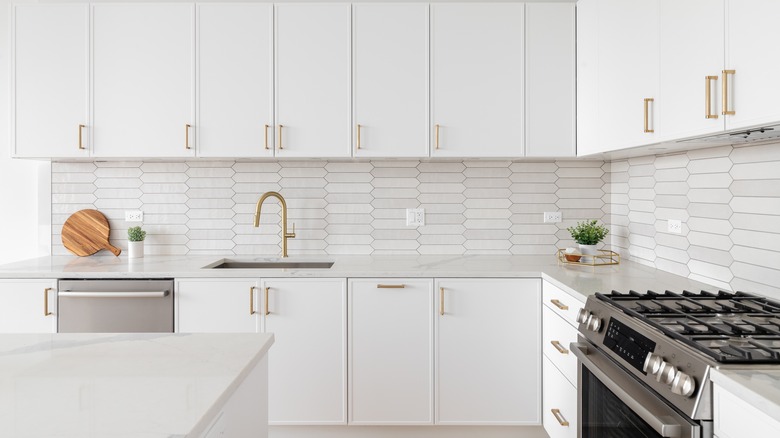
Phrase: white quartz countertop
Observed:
(581, 280)
(759, 388)
(120, 385)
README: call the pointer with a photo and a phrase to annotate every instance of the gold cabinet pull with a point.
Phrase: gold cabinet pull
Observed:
(358, 136)
(726, 111)
(557, 414)
(708, 97)
(46, 311)
(252, 300)
(280, 137)
(441, 301)
(647, 115)
(559, 304)
(559, 347)
(437, 135)
(81, 141)
(265, 136)
(390, 286)
(267, 310)
(187, 136)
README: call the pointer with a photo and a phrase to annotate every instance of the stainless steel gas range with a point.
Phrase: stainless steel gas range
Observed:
(645, 358)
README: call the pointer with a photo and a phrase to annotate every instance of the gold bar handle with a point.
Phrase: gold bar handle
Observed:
(647, 115)
(708, 97)
(81, 142)
(557, 414)
(358, 136)
(559, 347)
(265, 136)
(390, 286)
(187, 136)
(559, 304)
(437, 136)
(441, 301)
(252, 300)
(280, 137)
(46, 311)
(726, 111)
(267, 310)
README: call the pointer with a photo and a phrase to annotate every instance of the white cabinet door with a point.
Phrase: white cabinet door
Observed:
(627, 73)
(307, 365)
(391, 351)
(751, 36)
(28, 306)
(587, 77)
(477, 74)
(690, 49)
(142, 81)
(50, 78)
(312, 62)
(550, 80)
(559, 408)
(210, 305)
(235, 80)
(390, 79)
(488, 356)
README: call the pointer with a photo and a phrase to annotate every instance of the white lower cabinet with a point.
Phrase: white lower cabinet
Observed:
(211, 305)
(391, 351)
(737, 418)
(28, 306)
(559, 403)
(487, 351)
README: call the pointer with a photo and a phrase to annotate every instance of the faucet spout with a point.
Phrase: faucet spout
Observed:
(285, 234)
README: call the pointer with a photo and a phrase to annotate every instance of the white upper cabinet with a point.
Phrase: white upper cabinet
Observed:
(550, 113)
(477, 69)
(142, 83)
(50, 111)
(312, 62)
(691, 41)
(390, 79)
(235, 80)
(751, 38)
(587, 77)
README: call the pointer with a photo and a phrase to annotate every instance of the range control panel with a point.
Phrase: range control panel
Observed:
(628, 344)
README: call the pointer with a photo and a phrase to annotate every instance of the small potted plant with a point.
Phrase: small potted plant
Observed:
(135, 244)
(588, 234)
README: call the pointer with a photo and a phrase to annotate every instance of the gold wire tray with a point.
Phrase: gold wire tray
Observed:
(603, 258)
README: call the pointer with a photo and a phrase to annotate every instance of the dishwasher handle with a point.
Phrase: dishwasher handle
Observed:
(81, 294)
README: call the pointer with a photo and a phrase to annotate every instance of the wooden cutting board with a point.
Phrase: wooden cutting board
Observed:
(86, 232)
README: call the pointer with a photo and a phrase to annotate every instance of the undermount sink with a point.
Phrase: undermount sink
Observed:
(276, 264)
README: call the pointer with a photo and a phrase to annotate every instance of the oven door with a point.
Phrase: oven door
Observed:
(613, 404)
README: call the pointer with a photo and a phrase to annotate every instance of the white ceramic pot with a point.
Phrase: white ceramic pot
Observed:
(135, 250)
(588, 250)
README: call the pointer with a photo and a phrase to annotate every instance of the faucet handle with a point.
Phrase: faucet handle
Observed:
(292, 235)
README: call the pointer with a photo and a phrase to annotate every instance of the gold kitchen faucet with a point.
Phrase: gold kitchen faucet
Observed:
(285, 234)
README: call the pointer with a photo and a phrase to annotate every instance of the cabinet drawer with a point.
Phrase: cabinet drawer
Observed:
(556, 336)
(563, 304)
(559, 403)
(735, 418)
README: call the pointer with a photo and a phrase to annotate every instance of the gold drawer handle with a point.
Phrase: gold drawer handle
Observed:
(358, 136)
(441, 301)
(647, 115)
(265, 135)
(267, 310)
(708, 97)
(390, 286)
(280, 137)
(46, 311)
(559, 304)
(81, 141)
(557, 414)
(437, 136)
(252, 300)
(726, 111)
(559, 347)
(187, 136)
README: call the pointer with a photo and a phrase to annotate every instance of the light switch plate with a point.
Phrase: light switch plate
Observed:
(415, 217)
(552, 217)
(674, 226)
(134, 216)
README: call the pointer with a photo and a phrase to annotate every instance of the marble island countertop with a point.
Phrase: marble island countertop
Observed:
(120, 385)
(578, 280)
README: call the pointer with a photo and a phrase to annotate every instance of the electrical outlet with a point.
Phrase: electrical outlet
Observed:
(134, 216)
(552, 217)
(415, 217)
(674, 226)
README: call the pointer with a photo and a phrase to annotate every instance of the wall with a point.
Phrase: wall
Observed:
(207, 207)
(729, 201)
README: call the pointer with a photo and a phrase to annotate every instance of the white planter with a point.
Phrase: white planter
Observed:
(587, 250)
(135, 250)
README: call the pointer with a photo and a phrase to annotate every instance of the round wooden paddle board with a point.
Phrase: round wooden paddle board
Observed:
(86, 232)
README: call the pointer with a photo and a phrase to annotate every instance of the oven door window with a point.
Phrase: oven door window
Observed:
(604, 415)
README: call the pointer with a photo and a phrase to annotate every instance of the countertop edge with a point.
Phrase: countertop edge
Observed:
(731, 383)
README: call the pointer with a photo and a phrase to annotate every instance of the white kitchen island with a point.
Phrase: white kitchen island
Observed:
(134, 385)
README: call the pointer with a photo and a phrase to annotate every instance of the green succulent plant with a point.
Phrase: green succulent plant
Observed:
(136, 234)
(588, 232)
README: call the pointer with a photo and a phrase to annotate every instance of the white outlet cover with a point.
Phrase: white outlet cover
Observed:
(134, 216)
(674, 226)
(415, 217)
(552, 217)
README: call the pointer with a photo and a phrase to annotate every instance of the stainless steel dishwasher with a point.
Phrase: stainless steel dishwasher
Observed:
(115, 306)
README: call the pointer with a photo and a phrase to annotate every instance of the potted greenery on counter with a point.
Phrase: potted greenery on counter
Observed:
(135, 245)
(588, 234)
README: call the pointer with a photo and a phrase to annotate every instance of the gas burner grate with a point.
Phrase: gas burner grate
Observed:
(729, 327)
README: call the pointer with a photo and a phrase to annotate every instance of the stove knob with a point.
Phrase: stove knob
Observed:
(683, 384)
(666, 373)
(582, 316)
(652, 363)
(593, 323)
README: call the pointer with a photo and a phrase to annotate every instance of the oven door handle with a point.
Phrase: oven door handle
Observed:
(664, 425)
(71, 294)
